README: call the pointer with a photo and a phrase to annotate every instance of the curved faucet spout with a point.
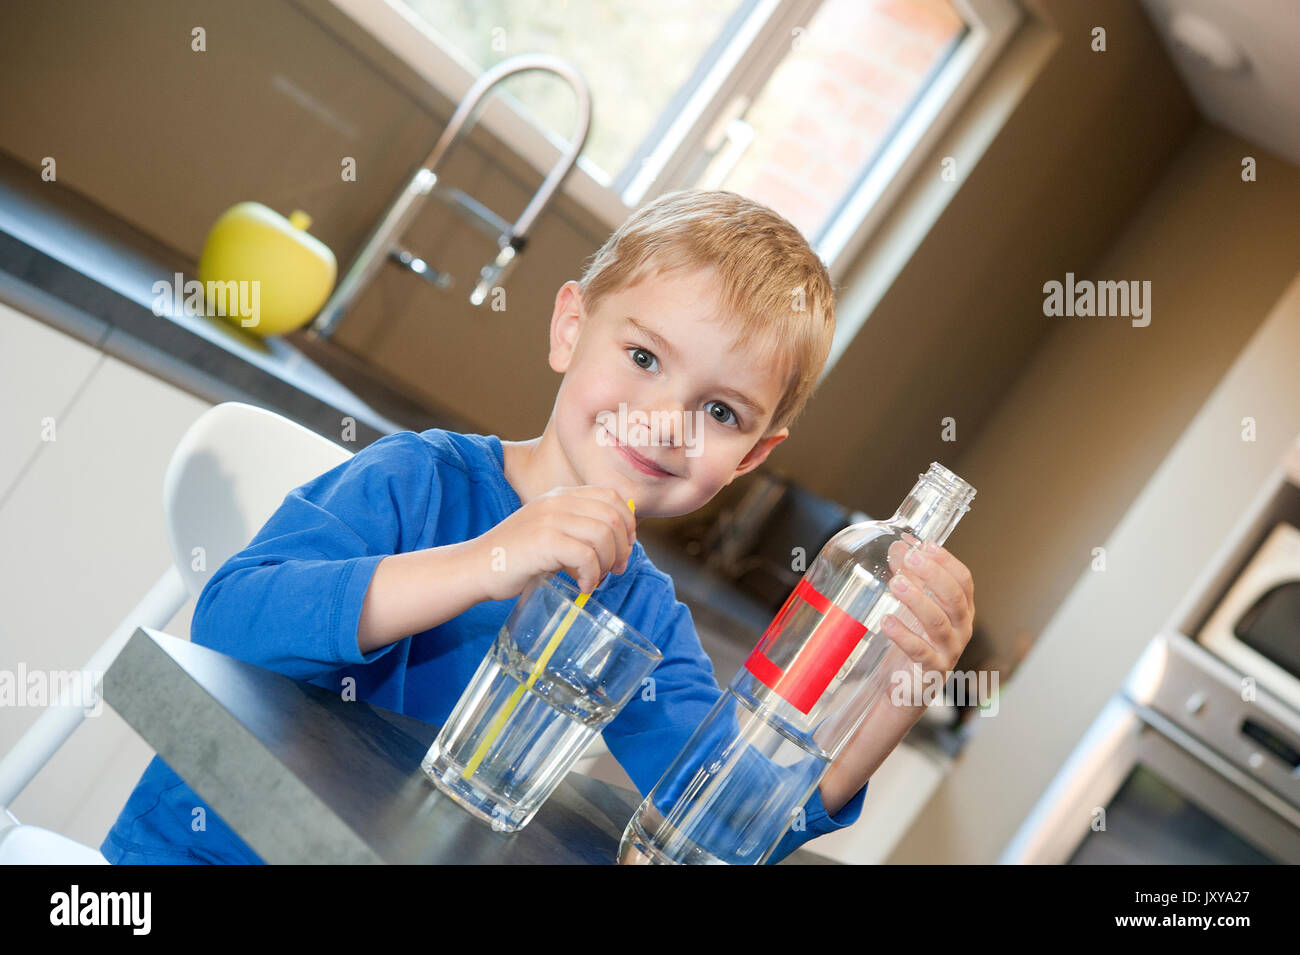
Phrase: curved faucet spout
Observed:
(408, 201)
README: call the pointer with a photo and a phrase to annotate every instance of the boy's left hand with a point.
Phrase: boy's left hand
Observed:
(946, 613)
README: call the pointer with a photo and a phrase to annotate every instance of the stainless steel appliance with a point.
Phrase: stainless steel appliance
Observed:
(1191, 763)
(1256, 626)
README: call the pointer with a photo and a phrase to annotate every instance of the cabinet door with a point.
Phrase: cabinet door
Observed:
(84, 539)
(40, 371)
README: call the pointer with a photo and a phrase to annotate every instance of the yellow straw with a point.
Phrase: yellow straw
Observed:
(499, 721)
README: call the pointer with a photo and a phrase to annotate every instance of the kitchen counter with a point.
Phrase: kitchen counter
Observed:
(70, 263)
(304, 776)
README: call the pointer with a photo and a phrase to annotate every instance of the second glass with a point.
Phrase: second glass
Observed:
(534, 704)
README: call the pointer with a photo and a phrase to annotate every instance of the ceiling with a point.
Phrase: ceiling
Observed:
(1259, 101)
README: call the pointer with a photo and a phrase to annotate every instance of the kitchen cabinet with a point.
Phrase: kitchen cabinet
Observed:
(82, 523)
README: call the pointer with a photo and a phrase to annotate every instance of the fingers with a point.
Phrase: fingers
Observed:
(934, 644)
(926, 585)
(591, 501)
(959, 571)
(580, 561)
(601, 504)
(599, 550)
(934, 572)
(918, 649)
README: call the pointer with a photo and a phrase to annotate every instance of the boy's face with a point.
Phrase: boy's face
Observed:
(675, 401)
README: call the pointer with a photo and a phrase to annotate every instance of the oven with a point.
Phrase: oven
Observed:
(1191, 763)
(1256, 625)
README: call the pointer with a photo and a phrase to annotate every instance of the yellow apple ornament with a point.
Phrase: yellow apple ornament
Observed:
(282, 274)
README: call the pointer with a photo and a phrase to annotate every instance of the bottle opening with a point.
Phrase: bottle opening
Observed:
(954, 488)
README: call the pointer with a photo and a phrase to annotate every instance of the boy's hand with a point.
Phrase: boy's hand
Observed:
(586, 531)
(946, 613)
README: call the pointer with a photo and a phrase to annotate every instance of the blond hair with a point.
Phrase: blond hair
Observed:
(776, 293)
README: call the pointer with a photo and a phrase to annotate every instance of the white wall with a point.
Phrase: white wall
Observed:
(1154, 554)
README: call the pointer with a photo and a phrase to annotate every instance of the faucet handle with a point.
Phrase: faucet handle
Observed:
(495, 271)
(423, 269)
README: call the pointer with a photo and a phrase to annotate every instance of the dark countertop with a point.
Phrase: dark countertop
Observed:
(306, 777)
(68, 262)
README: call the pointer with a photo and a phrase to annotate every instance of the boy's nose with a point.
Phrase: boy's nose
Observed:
(667, 427)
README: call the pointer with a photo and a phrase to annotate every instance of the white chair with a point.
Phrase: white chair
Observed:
(229, 473)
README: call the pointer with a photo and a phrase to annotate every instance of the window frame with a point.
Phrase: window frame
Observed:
(991, 24)
(747, 55)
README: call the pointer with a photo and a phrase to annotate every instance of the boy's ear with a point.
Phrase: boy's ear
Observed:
(566, 323)
(759, 453)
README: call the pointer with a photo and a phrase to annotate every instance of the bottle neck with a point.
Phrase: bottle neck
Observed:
(930, 511)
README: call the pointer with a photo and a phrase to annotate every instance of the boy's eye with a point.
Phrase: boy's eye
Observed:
(730, 415)
(636, 352)
(646, 360)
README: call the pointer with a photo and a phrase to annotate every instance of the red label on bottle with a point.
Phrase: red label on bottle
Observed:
(823, 653)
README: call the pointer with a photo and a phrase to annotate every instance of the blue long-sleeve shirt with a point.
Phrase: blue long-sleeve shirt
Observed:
(291, 600)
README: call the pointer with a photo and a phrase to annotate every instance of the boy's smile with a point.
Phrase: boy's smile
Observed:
(659, 401)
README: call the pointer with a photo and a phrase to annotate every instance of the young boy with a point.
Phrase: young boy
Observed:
(693, 340)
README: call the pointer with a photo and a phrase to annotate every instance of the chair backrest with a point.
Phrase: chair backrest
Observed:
(229, 473)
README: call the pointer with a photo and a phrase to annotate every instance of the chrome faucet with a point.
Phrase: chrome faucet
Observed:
(382, 243)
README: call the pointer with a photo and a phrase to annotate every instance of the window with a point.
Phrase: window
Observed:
(635, 55)
(810, 133)
(819, 108)
(850, 77)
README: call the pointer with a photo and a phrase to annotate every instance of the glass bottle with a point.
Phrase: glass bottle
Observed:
(745, 774)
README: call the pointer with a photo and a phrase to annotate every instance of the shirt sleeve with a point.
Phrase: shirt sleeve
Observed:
(819, 822)
(653, 728)
(291, 600)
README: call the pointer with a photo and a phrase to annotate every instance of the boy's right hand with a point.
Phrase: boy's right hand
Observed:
(586, 531)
